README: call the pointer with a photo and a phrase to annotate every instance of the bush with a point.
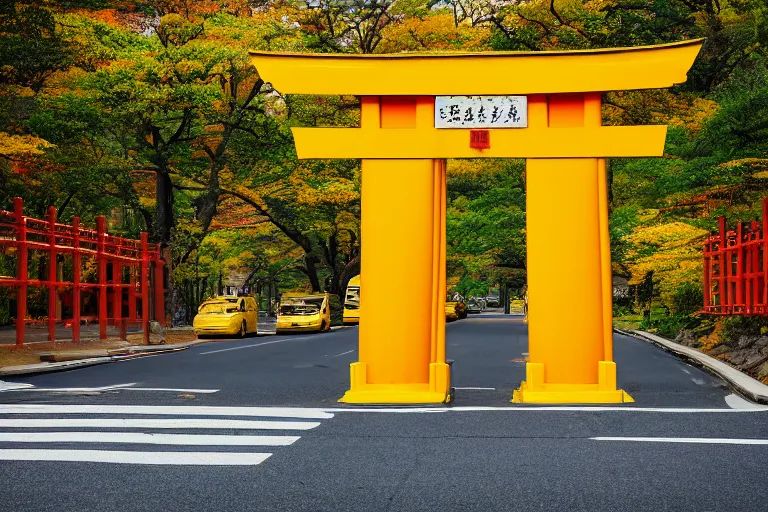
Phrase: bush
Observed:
(669, 326)
(5, 311)
(738, 325)
(337, 310)
(688, 299)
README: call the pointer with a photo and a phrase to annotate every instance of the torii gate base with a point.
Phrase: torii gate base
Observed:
(402, 360)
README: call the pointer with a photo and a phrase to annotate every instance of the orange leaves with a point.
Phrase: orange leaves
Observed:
(433, 33)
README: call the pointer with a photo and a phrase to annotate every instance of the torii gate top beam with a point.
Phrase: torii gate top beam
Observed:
(398, 94)
(611, 69)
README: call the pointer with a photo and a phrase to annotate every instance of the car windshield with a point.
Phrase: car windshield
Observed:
(217, 308)
(300, 306)
(353, 298)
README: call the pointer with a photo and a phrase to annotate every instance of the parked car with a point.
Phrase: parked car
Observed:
(227, 314)
(455, 309)
(517, 306)
(304, 313)
(352, 302)
(474, 306)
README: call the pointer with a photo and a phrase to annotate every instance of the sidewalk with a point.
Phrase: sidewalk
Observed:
(38, 332)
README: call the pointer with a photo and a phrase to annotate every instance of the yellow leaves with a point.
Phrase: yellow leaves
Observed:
(693, 113)
(672, 251)
(334, 193)
(658, 107)
(667, 236)
(758, 165)
(12, 146)
(474, 168)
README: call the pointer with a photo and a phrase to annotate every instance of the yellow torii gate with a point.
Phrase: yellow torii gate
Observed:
(403, 151)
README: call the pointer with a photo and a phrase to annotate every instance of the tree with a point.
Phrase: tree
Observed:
(31, 47)
(345, 25)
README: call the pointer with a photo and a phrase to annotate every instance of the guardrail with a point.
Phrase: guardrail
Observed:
(125, 261)
(736, 269)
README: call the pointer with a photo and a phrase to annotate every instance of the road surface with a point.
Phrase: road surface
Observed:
(254, 425)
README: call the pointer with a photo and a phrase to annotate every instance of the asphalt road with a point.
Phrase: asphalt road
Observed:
(259, 429)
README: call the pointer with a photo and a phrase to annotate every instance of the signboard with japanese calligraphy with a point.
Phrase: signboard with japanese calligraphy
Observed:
(481, 112)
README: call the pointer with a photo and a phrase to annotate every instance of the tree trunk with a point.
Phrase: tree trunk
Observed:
(163, 209)
(314, 281)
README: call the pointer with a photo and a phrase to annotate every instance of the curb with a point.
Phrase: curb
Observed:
(34, 369)
(38, 368)
(741, 382)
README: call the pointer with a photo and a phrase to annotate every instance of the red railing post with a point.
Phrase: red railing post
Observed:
(76, 269)
(145, 287)
(765, 254)
(723, 268)
(159, 291)
(52, 275)
(132, 295)
(101, 226)
(117, 291)
(22, 273)
(739, 266)
(707, 272)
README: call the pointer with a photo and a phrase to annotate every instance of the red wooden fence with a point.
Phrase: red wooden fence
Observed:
(25, 233)
(736, 269)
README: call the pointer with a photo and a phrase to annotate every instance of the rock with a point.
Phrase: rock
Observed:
(719, 350)
(754, 360)
(762, 342)
(155, 328)
(156, 333)
(744, 341)
(686, 337)
(738, 357)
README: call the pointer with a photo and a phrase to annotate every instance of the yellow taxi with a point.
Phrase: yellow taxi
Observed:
(352, 302)
(517, 306)
(455, 309)
(302, 313)
(227, 314)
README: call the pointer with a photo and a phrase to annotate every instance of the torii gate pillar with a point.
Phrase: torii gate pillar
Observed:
(403, 202)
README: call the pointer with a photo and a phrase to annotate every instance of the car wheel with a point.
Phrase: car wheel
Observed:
(243, 330)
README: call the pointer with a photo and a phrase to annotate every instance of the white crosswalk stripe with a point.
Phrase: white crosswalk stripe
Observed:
(97, 439)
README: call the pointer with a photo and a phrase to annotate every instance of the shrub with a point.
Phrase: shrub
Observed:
(739, 325)
(687, 299)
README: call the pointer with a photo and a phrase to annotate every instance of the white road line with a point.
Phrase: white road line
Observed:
(13, 386)
(326, 413)
(342, 354)
(142, 438)
(693, 440)
(181, 423)
(152, 458)
(736, 402)
(254, 345)
(179, 390)
(175, 410)
(513, 409)
(484, 389)
(80, 390)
